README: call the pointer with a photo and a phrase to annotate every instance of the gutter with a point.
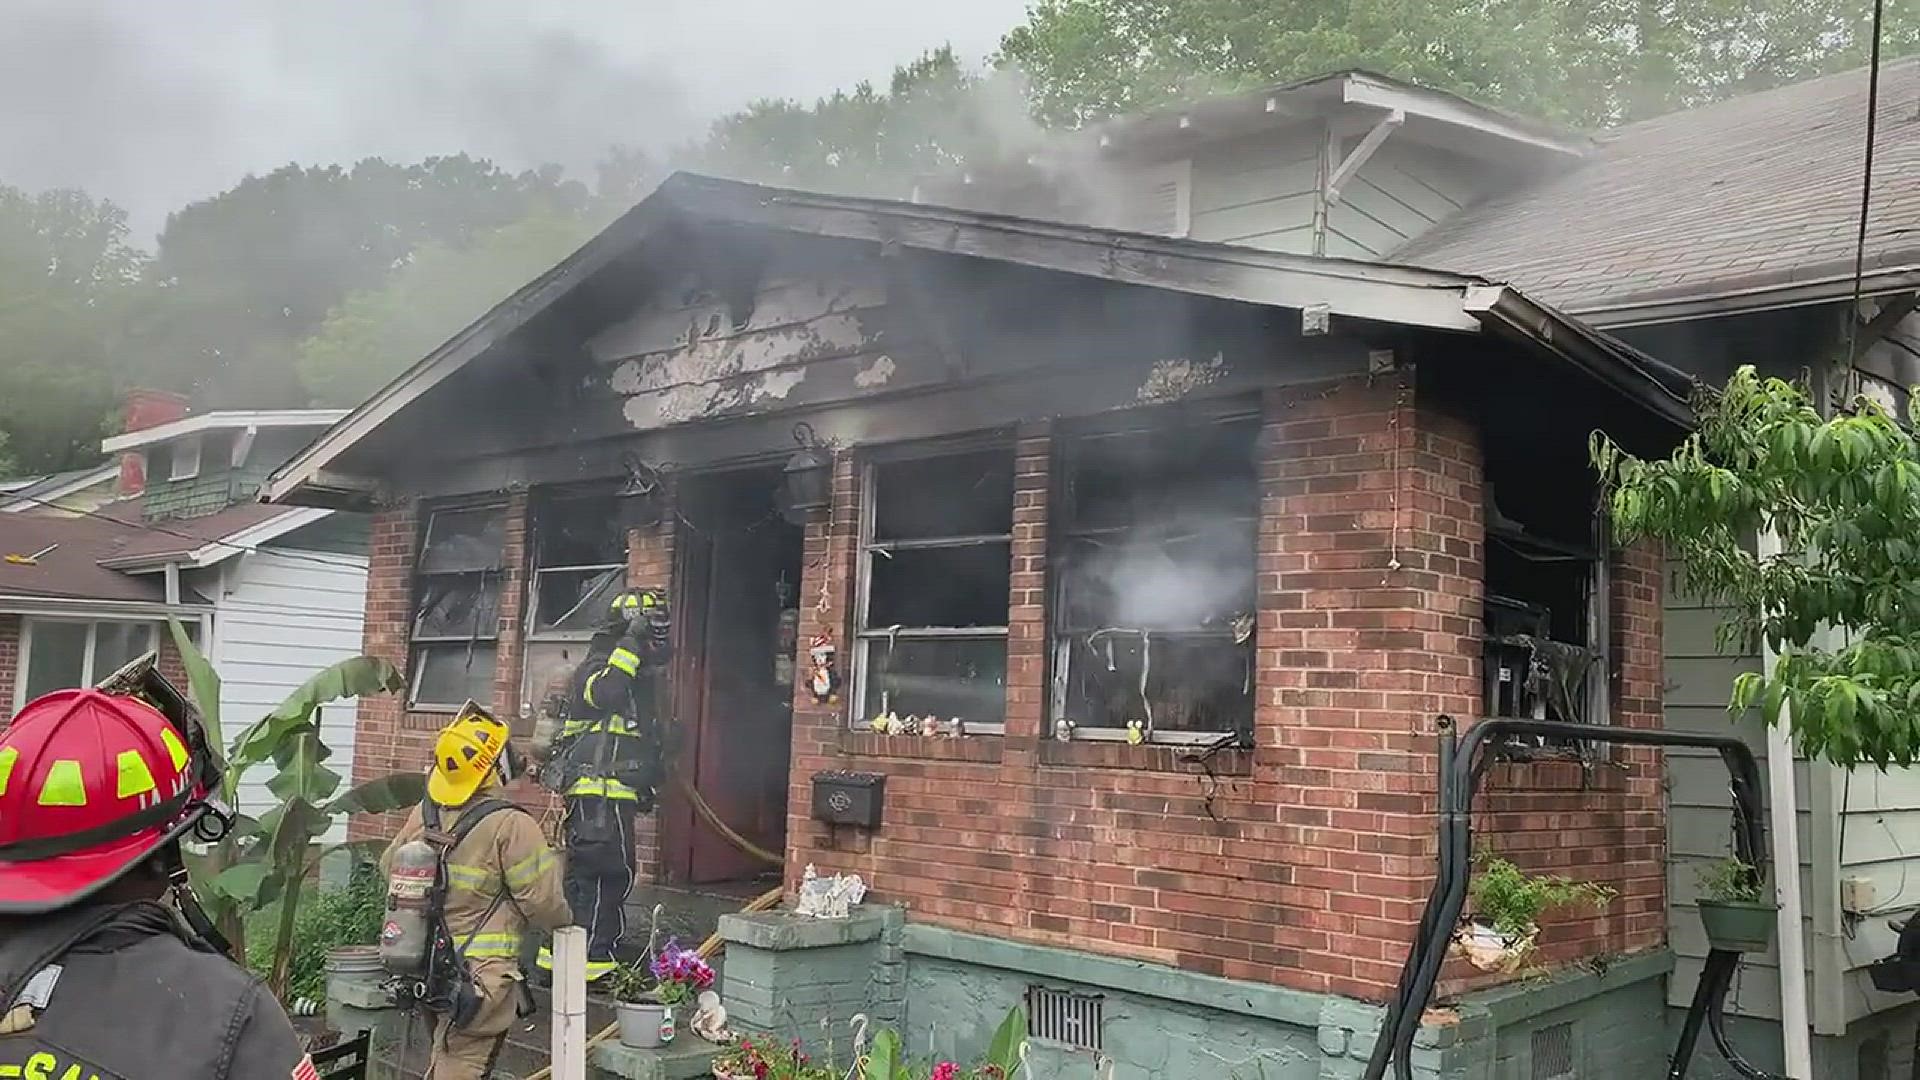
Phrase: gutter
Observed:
(76, 606)
(1826, 289)
(1503, 308)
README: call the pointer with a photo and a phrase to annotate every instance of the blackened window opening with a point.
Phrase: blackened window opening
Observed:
(1545, 611)
(936, 559)
(1153, 554)
(579, 563)
(456, 616)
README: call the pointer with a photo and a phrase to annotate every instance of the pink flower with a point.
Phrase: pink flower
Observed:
(946, 1070)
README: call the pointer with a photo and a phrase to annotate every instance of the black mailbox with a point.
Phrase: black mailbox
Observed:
(849, 798)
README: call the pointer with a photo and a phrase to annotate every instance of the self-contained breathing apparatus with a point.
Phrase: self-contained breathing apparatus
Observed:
(426, 968)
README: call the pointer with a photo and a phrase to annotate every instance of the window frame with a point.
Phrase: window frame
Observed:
(1142, 423)
(419, 646)
(184, 460)
(535, 570)
(88, 656)
(866, 547)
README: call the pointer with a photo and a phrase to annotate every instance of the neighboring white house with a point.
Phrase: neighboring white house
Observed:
(271, 594)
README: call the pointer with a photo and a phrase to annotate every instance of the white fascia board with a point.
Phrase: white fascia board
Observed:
(219, 550)
(221, 421)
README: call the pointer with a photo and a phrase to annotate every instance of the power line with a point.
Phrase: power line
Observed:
(199, 541)
(1866, 185)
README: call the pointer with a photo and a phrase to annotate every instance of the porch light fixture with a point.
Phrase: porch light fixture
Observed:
(639, 495)
(809, 474)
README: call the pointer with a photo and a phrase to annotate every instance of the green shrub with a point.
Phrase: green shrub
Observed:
(1512, 899)
(327, 919)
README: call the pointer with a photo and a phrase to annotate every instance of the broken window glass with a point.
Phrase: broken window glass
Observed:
(457, 606)
(941, 678)
(453, 674)
(457, 582)
(460, 541)
(937, 558)
(580, 564)
(1154, 553)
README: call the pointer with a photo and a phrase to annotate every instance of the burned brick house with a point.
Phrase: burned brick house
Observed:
(1181, 547)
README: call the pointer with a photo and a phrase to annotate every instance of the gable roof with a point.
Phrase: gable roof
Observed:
(1354, 289)
(72, 569)
(1751, 202)
(222, 421)
(34, 492)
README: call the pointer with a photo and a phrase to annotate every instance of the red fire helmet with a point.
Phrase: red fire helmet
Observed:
(90, 785)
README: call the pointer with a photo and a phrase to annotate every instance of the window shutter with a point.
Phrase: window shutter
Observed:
(1160, 199)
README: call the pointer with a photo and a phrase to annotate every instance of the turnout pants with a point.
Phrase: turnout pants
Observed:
(599, 835)
(470, 1053)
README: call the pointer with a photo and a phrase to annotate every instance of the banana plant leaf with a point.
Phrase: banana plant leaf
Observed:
(357, 677)
(203, 683)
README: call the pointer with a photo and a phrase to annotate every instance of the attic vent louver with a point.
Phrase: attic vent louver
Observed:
(1063, 1016)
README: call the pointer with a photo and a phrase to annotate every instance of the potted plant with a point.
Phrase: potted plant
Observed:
(645, 997)
(1507, 904)
(1733, 908)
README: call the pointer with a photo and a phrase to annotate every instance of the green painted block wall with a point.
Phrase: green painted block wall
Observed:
(1879, 1047)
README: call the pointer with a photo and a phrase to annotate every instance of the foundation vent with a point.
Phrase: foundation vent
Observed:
(1553, 1052)
(1062, 1016)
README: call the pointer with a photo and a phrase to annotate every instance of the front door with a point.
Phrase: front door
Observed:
(740, 572)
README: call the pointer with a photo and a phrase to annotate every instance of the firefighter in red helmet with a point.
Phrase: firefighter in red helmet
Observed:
(99, 975)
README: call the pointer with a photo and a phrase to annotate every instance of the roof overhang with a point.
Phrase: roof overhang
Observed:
(238, 420)
(219, 549)
(1324, 96)
(77, 607)
(1773, 292)
(1374, 292)
(16, 500)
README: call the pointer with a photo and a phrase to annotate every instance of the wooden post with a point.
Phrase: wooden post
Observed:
(570, 1003)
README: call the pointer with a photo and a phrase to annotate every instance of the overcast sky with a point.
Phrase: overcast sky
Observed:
(154, 103)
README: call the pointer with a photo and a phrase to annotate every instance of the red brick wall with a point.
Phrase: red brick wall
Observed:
(1309, 863)
(9, 663)
(391, 738)
(650, 566)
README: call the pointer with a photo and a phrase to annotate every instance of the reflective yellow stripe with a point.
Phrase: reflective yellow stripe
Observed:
(64, 785)
(7, 757)
(175, 749)
(470, 878)
(604, 789)
(576, 727)
(624, 660)
(588, 692)
(528, 870)
(134, 778)
(489, 946)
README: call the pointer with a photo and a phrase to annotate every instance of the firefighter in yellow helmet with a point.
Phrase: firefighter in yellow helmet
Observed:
(500, 879)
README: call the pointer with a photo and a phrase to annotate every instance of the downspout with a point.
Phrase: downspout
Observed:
(173, 584)
(1783, 824)
(1829, 944)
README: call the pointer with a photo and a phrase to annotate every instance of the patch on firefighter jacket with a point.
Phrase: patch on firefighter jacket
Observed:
(46, 1065)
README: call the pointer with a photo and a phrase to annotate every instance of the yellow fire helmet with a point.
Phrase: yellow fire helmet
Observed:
(464, 755)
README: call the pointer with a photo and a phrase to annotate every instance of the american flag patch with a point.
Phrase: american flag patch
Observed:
(305, 1070)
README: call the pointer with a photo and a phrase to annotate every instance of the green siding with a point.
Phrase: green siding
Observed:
(208, 493)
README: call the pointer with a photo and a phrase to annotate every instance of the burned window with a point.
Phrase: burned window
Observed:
(456, 615)
(1153, 543)
(936, 552)
(1545, 633)
(579, 563)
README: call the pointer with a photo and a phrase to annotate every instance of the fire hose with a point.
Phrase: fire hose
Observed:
(707, 949)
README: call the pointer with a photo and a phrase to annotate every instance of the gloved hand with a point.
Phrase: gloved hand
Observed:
(653, 622)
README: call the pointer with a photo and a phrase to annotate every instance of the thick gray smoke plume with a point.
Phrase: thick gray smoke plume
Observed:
(157, 104)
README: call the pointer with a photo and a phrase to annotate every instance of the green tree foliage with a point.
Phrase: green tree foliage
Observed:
(934, 113)
(65, 273)
(375, 333)
(1574, 61)
(240, 279)
(1840, 602)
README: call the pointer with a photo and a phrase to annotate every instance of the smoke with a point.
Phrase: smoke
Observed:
(156, 105)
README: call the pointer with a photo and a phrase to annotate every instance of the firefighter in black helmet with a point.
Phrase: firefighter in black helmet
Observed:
(607, 761)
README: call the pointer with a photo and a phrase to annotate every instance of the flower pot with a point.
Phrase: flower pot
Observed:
(1738, 925)
(644, 1025)
(1490, 950)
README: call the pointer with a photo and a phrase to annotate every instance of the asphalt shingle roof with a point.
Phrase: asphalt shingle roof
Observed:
(1755, 191)
(72, 569)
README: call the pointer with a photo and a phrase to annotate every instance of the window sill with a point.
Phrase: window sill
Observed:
(978, 748)
(1104, 754)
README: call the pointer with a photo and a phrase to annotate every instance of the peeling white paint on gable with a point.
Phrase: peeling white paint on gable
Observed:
(1170, 380)
(777, 384)
(875, 375)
